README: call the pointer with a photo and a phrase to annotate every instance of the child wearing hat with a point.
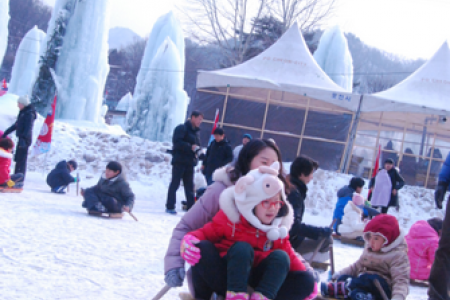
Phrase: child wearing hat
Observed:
(384, 259)
(8, 182)
(59, 178)
(112, 194)
(247, 241)
(423, 241)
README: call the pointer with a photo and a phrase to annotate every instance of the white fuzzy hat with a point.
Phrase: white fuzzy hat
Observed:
(250, 190)
(24, 100)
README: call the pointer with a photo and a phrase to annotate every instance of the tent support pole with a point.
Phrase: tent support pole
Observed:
(349, 149)
(376, 145)
(225, 106)
(265, 114)
(431, 156)
(303, 129)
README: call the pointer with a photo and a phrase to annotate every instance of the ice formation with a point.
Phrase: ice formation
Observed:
(82, 66)
(26, 64)
(334, 57)
(4, 19)
(159, 103)
(124, 103)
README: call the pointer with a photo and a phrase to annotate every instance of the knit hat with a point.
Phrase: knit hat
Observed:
(385, 226)
(24, 100)
(357, 199)
(247, 135)
(250, 190)
(114, 166)
(74, 164)
(436, 224)
(356, 182)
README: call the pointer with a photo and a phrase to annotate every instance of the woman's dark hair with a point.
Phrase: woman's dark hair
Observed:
(303, 165)
(6, 144)
(248, 153)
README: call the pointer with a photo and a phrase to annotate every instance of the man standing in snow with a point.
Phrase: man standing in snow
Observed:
(24, 132)
(186, 145)
(440, 271)
(245, 139)
(219, 154)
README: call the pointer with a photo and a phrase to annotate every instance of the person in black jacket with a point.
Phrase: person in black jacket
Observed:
(397, 183)
(59, 178)
(24, 132)
(305, 238)
(218, 154)
(112, 194)
(186, 145)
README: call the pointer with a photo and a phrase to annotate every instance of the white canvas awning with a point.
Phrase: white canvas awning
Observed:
(426, 91)
(286, 66)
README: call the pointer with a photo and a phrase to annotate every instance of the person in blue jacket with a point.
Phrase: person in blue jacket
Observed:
(59, 178)
(443, 183)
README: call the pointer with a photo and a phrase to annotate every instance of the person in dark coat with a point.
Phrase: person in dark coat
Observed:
(24, 132)
(439, 280)
(305, 238)
(397, 183)
(186, 146)
(59, 178)
(218, 154)
(112, 194)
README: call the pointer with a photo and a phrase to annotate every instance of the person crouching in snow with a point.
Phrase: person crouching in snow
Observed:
(384, 259)
(247, 242)
(112, 194)
(423, 241)
(59, 178)
(6, 181)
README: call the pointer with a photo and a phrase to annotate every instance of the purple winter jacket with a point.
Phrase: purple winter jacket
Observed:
(200, 213)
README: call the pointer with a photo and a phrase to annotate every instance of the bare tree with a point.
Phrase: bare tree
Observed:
(227, 23)
(308, 13)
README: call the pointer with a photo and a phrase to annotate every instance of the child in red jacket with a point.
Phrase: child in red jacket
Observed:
(7, 182)
(247, 241)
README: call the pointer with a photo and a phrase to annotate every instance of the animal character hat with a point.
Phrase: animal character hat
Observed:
(357, 199)
(250, 190)
(383, 225)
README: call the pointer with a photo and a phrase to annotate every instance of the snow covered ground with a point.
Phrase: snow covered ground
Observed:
(51, 249)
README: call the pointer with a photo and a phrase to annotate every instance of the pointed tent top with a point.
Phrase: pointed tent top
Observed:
(287, 65)
(425, 90)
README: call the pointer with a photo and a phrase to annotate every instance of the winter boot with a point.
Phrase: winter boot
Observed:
(258, 296)
(98, 208)
(59, 190)
(237, 296)
(360, 295)
(335, 289)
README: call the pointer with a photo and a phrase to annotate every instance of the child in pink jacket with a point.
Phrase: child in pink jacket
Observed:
(422, 240)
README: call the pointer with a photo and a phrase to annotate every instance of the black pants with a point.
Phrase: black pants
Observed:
(20, 158)
(185, 173)
(234, 272)
(364, 283)
(440, 271)
(92, 196)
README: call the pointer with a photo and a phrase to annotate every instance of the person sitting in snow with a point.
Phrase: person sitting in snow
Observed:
(384, 259)
(7, 182)
(305, 238)
(423, 241)
(112, 194)
(59, 178)
(247, 241)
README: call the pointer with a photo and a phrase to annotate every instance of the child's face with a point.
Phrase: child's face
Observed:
(267, 210)
(110, 173)
(376, 242)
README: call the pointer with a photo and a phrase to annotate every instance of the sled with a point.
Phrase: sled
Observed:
(355, 242)
(106, 215)
(420, 283)
(336, 236)
(320, 265)
(11, 190)
(185, 296)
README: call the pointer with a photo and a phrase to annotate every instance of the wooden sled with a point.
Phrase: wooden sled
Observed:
(106, 215)
(421, 283)
(355, 242)
(336, 236)
(320, 265)
(185, 296)
(11, 190)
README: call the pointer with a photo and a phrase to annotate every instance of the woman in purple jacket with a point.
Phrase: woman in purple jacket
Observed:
(256, 153)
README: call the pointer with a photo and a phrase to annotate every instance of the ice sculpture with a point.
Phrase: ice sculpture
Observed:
(4, 19)
(124, 103)
(334, 58)
(26, 64)
(160, 103)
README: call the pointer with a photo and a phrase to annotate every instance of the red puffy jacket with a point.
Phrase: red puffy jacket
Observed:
(5, 164)
(223, 233)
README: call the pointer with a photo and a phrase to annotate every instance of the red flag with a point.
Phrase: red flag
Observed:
(216, 120)
(377, 162)
(44, 139)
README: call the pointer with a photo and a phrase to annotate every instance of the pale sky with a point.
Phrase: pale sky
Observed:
(409, 28)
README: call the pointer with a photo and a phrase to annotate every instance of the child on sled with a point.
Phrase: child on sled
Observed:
(8, 183)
